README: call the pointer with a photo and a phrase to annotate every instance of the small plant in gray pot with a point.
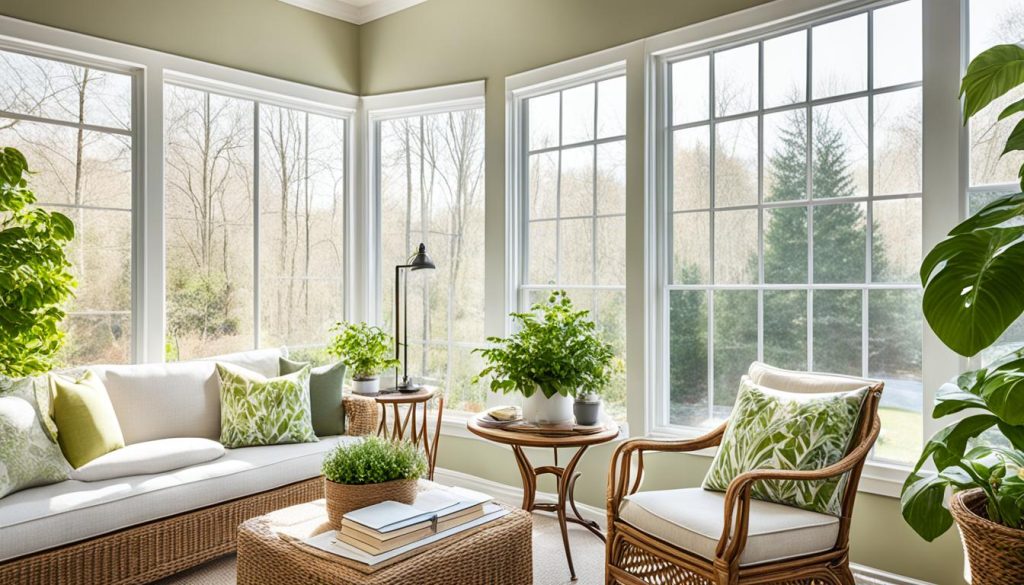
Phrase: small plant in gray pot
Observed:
(587, 408)
(368, 472)
(366, 350)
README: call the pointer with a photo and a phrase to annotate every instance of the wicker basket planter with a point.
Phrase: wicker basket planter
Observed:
(995, 553)
(342, 498)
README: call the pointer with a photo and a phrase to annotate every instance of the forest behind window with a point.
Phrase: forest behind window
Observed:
(431, 190)
(74, 125)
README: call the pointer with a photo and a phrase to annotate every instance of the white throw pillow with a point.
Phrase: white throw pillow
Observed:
(149, 457)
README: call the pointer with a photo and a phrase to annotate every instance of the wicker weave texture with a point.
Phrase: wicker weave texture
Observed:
(995, 552)
(361, 416)
(501, 553)
(342, 499)
(148, 552)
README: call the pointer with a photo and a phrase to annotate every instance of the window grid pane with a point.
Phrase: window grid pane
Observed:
(77, 139)
(804, 247)
(574, 212)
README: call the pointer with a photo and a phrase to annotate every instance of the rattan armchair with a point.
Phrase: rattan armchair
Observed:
(637, 557)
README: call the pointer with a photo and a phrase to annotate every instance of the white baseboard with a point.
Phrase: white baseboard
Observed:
(513, 496)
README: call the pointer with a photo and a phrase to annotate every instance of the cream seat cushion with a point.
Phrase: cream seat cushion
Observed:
(54, 515)
(692, 519)
(149, 457)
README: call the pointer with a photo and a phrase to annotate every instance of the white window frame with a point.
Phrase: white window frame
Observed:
(150, 69)
(626, 60)
(392, 106)
(943, 201)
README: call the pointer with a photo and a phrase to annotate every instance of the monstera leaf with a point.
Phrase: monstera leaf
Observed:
(972, 286)
(990, 75)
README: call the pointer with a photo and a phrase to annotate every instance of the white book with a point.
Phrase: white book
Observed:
(389, 516)
(328, 541)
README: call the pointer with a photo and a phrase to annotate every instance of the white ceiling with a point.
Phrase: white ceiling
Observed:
(355, 11)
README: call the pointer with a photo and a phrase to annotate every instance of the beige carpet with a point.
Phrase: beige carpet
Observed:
(549, 567)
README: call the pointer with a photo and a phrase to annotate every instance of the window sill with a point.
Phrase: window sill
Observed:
(878, 478)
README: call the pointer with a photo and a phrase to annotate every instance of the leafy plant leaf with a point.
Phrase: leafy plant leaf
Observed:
(972, 287)
(995, 213)
(921, 504)
(990, 75)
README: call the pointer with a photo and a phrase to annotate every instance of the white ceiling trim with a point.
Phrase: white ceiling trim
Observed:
(351, 12)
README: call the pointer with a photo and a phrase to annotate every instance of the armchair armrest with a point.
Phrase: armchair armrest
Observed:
(361, 415)
(620, 472)
(737, 496)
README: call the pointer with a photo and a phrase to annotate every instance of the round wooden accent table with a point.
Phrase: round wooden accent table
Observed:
(565, 476)
(404, 426)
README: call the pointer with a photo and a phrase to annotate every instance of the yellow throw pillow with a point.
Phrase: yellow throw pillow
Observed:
(87, 425)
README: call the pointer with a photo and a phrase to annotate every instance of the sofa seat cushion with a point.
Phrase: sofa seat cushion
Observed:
(692, 519)
(150, 457)
(40, 518)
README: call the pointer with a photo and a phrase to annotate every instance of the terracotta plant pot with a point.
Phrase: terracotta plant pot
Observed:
(995, 553)
(342, 498)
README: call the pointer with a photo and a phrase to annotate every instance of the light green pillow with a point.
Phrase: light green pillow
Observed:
(87, 426)
(255, 410)
(27, 455)
(325, 384)
(771, 429)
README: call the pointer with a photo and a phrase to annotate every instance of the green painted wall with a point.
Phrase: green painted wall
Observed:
(264, 36)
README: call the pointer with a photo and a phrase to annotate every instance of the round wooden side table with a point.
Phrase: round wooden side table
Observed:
(417, 430)
(565, 476)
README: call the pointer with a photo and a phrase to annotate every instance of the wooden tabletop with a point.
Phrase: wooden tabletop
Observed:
(422, 395)
(526, 439)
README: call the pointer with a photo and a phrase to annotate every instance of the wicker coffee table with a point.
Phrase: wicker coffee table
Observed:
(269, 552)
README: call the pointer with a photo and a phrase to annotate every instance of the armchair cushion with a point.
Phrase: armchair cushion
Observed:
(691, 519)
(771, 429)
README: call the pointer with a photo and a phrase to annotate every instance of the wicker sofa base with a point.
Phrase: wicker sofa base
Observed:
(147, 552)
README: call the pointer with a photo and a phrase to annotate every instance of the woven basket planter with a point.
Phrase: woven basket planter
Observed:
(342, 498)
(995, 553)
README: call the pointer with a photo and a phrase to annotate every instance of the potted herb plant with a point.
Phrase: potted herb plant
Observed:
(369, 472)
(366, 351)
(973, 282)
(587, 408)
(555, 354)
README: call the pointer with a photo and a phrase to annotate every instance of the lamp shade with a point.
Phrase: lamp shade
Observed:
(421, 260)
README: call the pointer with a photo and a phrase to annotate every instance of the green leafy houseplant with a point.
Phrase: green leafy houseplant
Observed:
(365, 349)
(35, 274)
(374, 460)
(973, 291)
(557, 349)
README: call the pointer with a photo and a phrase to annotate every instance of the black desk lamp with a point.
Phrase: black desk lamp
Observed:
(418, 261)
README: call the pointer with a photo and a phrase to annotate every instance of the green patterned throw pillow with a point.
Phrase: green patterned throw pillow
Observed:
(325, 384)
(27, 455)
(771, 429)
(255, 410)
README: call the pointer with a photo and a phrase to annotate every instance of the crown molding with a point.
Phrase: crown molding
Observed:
(342, 10)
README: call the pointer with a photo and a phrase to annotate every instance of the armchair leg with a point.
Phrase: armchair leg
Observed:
(724, 575)
(844, 575)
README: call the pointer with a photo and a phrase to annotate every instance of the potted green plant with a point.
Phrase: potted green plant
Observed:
(368, 472)
(973, 282)
(366, 350)
(35, 275)
(555, 354)
(587, 408)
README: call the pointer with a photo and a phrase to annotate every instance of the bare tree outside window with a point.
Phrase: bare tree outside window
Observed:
(73, 123)
(432, 191)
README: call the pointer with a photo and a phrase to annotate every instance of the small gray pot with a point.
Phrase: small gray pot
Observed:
(588, 412)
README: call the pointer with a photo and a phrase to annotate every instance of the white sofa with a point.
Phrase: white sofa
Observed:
(116, 518)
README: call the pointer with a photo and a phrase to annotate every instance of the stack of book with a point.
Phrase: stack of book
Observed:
(389, 525)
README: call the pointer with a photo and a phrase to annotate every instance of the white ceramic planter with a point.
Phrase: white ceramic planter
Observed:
(541, 409)
(370, 387)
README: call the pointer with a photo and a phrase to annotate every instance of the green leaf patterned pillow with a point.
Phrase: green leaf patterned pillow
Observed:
(771, 429)
(255, 410)
(27, 455)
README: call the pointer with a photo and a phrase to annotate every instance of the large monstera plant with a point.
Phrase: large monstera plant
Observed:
(973, 291)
